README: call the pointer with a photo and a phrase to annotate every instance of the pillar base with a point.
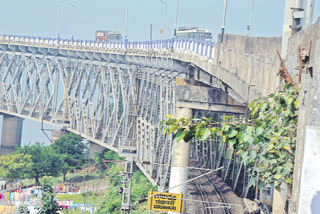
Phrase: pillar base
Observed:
(11, 134)
(180, 160)
(56, 134)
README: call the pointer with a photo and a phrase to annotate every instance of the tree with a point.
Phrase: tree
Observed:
(74, 151)
(107, 155)
(98, 159)
(140, 186)
(46, 162)
(265, 143)
(49, 204)
(15, 166)
(111, 201)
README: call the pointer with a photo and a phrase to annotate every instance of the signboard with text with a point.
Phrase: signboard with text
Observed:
(165, 201)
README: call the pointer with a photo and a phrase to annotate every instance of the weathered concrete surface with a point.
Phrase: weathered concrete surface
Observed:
(279, 205)
(309, 111)
(252, 59)
(95, 148)
(243, 61)
(309, 195)
(197, 96)
(56, 134)
(11, 133)
(180, 159)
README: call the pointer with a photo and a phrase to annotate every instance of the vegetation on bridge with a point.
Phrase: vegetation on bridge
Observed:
(265, 141)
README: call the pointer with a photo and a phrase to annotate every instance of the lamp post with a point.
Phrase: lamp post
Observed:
(223, 20)
(60, 6)
(126, 22)
(251, 24)
(176, 24)
(222, 31)
(164, 15)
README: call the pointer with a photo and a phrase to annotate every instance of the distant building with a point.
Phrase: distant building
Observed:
(102, 36)
(194, 33)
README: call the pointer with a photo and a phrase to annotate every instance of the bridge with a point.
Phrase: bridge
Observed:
(116, 93)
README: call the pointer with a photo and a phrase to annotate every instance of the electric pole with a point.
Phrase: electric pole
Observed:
(223, 20)
(176, 24)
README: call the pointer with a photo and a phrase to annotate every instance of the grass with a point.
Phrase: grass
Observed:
(141, 209)
(87, 197)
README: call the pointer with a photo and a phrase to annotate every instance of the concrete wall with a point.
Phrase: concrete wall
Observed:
(253, 59)
(243, 61)
(306, 184)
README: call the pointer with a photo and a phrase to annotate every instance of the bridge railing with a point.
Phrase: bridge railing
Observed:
(198, 47)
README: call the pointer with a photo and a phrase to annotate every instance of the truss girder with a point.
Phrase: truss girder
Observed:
(118, 106)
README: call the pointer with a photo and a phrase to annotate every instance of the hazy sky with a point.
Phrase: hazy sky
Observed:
(81, 18)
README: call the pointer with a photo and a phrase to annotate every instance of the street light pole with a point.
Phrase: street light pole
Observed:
(251, 24)
(60, 6)
(224, 20)
(164, 16)
(176, 24)
(126, 22)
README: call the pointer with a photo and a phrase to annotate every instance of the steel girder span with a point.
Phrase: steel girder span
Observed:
(108, 101)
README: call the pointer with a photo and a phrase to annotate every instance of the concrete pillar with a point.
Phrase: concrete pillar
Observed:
(56, 134)
(11, 133)
(180, 159)
(280, 199)
(287, 30)
(95, 148)
(309, 195)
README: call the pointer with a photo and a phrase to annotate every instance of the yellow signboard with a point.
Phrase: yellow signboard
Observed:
(165, 201)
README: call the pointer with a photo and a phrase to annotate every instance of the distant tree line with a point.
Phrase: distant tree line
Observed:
(36, 161)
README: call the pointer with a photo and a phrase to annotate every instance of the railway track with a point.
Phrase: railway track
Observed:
(216, 196)
(214, 201)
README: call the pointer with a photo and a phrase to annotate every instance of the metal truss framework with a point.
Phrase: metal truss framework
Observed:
(115, 100)
(214, 153)
(114, 104)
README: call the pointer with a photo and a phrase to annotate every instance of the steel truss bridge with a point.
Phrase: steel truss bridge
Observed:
(114, 94)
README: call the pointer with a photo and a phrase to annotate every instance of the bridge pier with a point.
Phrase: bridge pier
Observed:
(95, 148)
(180, 159)
(11, 133)
(56, 134)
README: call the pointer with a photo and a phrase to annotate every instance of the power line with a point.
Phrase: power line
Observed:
(160, 164)
(192, 179)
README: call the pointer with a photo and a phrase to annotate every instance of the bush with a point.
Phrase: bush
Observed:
(111, 201)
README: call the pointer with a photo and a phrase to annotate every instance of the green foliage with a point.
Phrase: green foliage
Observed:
(98, 159)
(49, 204)
(140, 186)
(112, 199)
(111, 155)
(73, 150)
(107, 155)
(266, 143)
(15, 166)
(24, 210)
(115, 175)
(46, 162)
(89, 197)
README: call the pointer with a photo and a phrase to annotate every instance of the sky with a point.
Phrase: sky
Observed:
(81, 18)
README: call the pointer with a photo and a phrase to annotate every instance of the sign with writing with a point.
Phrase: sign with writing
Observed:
(165, 201)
